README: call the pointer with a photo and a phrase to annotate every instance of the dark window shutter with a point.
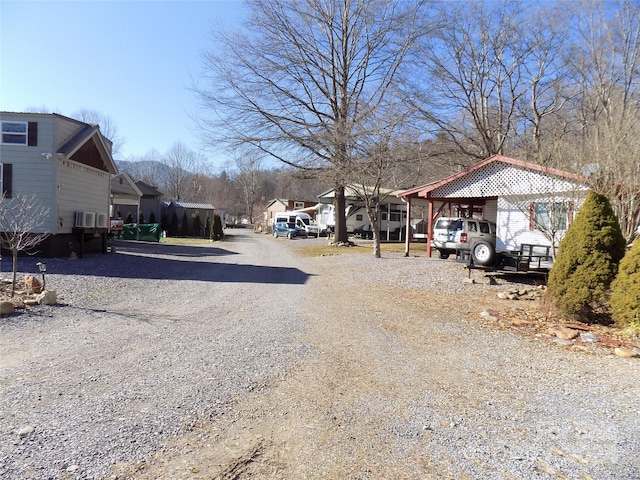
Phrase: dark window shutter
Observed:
(32, 137)
(7, 170)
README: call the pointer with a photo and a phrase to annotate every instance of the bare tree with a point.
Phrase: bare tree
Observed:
(20, 219)
(606, 71)
(108, 127)
(304, 82)
(248, 177)
(475, 66)
(184, 173)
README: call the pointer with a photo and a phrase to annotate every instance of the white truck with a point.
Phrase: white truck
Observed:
(305, 224)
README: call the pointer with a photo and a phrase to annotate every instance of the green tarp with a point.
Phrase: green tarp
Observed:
(148, 232)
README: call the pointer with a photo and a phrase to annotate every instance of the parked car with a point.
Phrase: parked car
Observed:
(284, 229)
(452, 234)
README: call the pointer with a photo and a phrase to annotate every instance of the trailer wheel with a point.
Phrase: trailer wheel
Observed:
(483, 253)
(443, 255)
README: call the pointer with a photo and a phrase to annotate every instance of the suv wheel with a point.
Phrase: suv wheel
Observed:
(275, 233)
(483, 253)
(443, 255)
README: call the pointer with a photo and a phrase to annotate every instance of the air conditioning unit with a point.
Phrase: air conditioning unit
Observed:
(102, 220)
(85, 219)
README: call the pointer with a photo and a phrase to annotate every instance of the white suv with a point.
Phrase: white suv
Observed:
(452, 234)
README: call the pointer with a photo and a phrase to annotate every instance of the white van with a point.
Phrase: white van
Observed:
(305, 225)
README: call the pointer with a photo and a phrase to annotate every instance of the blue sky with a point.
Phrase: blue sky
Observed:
(130, 60)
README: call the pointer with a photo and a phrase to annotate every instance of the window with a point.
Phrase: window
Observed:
(298, 205)
(484, 227)
(472, 226)
(20, 133)
(14, 133)
(359, 217)
(551, 216)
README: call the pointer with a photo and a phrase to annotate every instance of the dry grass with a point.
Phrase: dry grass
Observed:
(361, 247)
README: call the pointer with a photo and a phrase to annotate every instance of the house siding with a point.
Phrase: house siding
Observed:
(32, 172)
(81, 188)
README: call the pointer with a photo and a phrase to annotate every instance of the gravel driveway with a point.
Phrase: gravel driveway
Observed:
(243, 359)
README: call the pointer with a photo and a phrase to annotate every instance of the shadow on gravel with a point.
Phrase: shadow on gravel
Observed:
(136, 260)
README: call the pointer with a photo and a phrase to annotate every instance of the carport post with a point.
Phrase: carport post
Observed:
(430, 228)
(407, 240)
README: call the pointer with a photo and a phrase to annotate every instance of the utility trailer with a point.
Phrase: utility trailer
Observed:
(530, 258)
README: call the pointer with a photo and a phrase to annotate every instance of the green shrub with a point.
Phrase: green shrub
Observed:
(217, 230)
(184, 226)
(625, 290)
(173, 226)
(152, 217)
(197, 224)
(141, 217)
(587, 262)
(129, 218)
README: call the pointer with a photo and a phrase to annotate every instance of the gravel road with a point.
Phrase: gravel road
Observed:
(243, 359)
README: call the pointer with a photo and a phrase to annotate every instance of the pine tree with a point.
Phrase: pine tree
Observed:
(173, 226)
(152, 217)
(625, 290)
(217, 227)
(129, 218)
(196, 224)
(141, 217)
(587, 262)
(184, 227)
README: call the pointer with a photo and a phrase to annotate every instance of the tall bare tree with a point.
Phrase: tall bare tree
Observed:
(475, 74)
(108, 127)
(21, 218)
(184, 174)
(605, 64)
(305, 81)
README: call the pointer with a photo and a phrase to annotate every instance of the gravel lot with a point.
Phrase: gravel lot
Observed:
(245, 360)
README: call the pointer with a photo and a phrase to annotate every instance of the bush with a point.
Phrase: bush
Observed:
(216, 231)
(197, 224)
(129, 218)
(587, 262)
(184, 226)
(625, 290)
(152, 217)
(173, 226)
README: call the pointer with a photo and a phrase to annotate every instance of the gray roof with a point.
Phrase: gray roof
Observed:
(203, 206)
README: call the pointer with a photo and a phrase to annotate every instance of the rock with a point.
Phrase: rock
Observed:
(469, 280)
(561, 341)
(563, 332)
(625, 352)
(32, 283)
(6, 308)
(588, 337)
(48, 297)
(502, 295)
(24, 431)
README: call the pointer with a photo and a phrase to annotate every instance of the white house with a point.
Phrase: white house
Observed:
(525, 200)
(66, 165)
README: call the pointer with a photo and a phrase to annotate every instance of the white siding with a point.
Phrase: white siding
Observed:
(80, 188)
(490, 211)
(33, 172)
(513, 220)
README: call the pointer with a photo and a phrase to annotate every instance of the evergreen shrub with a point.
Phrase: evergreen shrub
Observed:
(625, 290)
(217, 230)
(587, 262)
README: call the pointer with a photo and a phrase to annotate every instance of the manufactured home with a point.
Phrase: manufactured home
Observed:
(66, 166)
(393, 214)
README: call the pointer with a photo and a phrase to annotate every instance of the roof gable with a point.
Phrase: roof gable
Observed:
(90, 147)
(499, 176)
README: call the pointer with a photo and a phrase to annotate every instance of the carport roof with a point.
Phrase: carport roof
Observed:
(423, 191)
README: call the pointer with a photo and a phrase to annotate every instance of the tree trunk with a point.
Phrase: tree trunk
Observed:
(14, 256)
(340, 215)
